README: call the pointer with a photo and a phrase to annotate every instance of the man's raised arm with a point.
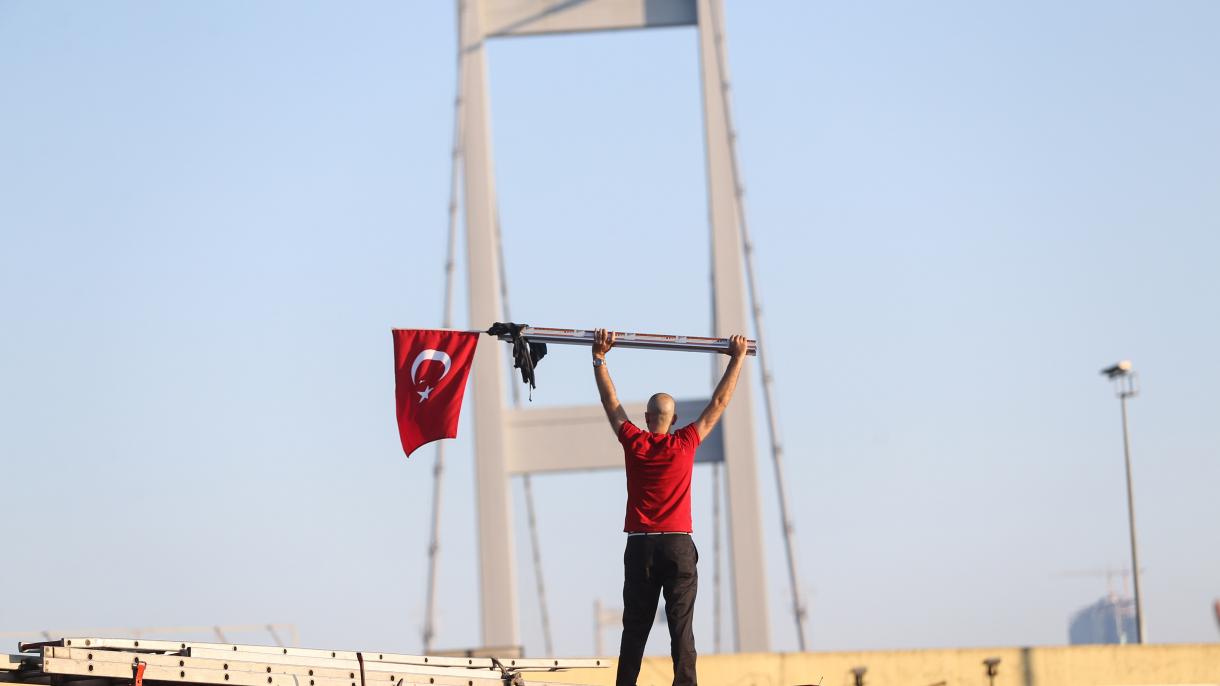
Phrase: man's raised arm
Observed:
(603, 341)
(724, 389)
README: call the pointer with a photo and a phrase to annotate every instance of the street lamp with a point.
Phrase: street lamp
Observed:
(1126, 386)
(992, 664)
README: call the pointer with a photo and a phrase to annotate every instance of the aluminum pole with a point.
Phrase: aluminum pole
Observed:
(1135, 558)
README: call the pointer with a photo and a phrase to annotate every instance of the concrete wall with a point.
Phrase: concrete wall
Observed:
(1060, 666)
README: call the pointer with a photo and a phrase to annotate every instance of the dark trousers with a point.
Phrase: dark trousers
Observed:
(652, 565)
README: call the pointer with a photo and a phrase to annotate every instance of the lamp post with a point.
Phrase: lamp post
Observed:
(1126, 386)
(993, 668)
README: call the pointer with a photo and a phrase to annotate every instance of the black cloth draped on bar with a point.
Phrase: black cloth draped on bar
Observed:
(526, 353)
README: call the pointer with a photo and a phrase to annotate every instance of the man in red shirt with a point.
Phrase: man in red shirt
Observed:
(660, 555)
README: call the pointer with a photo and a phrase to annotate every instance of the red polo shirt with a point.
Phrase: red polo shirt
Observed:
(658, 477)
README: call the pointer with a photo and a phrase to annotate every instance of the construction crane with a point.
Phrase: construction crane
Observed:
(1109, 573)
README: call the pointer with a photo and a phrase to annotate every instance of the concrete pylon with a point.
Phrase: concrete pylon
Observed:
(501, 431)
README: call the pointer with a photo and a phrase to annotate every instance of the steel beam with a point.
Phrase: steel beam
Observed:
(307, 668)
(542, 439)
(389, 662)
(345, 657)
(193, 675)
(527, 17)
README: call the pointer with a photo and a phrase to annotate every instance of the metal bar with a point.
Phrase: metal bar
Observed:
(628, 339)
(547, 17)
(445, 665)
(140, 645)
(12, 662)
(425, 662)
(122, 670)
(317, 668)
(190, 673)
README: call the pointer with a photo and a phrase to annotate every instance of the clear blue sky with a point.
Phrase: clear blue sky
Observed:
(212, 213)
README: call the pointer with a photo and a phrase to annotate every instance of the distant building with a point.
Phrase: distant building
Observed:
(1109, 620)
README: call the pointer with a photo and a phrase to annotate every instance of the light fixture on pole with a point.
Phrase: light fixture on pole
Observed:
(1126, 386)
(993, 668)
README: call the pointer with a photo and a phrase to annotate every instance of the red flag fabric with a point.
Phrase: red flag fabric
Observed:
(430, 371)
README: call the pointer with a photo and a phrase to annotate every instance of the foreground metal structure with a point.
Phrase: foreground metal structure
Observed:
(122, 661)
(629, 339)
(503, 443)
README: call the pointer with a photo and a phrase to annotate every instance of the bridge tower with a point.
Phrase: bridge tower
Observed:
(511, 441)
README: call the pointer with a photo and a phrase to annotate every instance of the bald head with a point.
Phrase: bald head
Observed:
(660, 413)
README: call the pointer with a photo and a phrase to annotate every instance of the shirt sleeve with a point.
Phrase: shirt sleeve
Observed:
(690, 433)
(628, 431)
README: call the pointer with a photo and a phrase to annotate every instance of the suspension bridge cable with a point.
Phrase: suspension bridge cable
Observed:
(716, 556)
(535, 546)
(455, 161)
(717, 621)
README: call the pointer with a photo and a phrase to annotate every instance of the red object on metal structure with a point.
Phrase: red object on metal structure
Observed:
(137, 672)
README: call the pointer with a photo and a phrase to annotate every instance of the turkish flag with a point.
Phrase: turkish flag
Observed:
(430, 371)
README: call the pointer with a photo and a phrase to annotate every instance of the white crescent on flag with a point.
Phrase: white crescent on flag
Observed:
(438, 355)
